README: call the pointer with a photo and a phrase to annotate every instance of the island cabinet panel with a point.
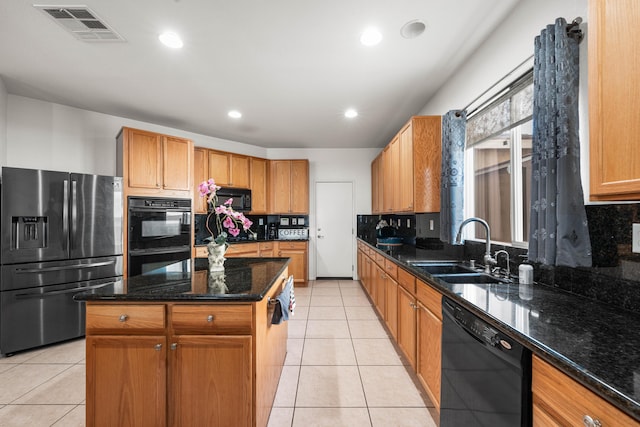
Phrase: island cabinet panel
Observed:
(211, 319)
(559, 400)
(211, 381)
(614, 82)
(126, 380)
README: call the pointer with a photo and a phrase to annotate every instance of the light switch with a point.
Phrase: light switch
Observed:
(636, 238)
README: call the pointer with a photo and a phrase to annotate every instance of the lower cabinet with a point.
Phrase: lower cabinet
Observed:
(407, 325)
(391, 305)
(299, 253)
(429, 345)
(559, 400)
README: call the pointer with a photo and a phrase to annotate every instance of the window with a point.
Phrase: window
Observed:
(498, 163)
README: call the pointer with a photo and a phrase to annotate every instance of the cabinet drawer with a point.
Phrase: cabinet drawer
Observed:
(125, 317)
(391, 268)
(567, 401)
(430, 298)
(201, 252)
(379, 258)
(293, 245)
(211, 319)
(266, 246)
(407, 281)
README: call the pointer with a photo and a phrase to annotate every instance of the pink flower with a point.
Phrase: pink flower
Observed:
(228, 202)
(234, 231)
(228, 223)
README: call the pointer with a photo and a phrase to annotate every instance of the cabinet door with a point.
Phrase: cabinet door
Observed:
(177, 171)
(210, 381)
(126, 380)
(614, 67)
(428, 349)
(391, 305)
(407, 324)
(374, 186)
(387, 181)
(379, 294)
(144, 153)
(405, 169)
(298, 264)
(299, 187)
(258, 186)
(280, 186)
(200, 173)
(219, 167)
(395, 174)
(239, 171)
(427, 162)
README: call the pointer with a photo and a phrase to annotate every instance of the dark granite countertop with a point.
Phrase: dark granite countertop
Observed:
(594, 343)
(241, 242)
(244, 279)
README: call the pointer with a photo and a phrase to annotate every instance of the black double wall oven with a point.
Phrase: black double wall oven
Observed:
(159, 234)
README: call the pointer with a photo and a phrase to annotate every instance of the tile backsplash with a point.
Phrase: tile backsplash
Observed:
(614, 277)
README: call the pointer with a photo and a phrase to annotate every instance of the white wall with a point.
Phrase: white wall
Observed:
(43, 135)
(334, 165)
(3, 122)
(507, 47)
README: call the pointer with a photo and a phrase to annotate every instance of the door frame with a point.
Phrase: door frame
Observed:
(352, 209)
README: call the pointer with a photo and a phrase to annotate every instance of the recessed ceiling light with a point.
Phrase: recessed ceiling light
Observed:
(412, 29)
(234, 114)
(370, 37)
(171, 40)
(351, 113)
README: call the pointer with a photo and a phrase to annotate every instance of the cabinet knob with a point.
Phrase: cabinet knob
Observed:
(590, 422)
(123, 317)
(210, 318)
(158, 347)
(174, 346)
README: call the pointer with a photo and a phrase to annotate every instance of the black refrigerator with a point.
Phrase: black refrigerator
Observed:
(61, 233)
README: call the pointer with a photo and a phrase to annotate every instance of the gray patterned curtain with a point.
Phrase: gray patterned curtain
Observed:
(558, 233)
(452, 180)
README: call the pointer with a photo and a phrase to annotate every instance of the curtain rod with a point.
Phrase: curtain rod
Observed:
(573, 31)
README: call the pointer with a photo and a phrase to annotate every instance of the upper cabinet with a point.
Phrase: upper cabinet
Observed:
(200, 173)
(289, 185)
(258, 185)
(614, 67)
(154, 164)
(408, 179)
(228, 169)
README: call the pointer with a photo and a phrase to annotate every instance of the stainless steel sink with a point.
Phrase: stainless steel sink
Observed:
(474, 278)
(441, 267)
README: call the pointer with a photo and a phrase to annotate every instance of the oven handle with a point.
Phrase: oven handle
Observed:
(42, 295)
(153, 251)
(63, 267)
(160, 210)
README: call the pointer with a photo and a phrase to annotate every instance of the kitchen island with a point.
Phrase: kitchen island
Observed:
(177, 346)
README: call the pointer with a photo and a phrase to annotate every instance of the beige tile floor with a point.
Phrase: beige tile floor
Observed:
(341, 370)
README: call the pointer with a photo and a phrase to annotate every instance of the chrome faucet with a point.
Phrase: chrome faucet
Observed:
(502, 251)
(488, 259)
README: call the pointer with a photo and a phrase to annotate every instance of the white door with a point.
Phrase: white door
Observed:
(334, 232)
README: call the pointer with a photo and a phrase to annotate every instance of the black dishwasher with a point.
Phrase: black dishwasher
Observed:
(486, 375)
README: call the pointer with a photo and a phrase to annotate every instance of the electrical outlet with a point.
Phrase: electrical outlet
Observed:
(636, 238)
(408, 223)
(431, 225)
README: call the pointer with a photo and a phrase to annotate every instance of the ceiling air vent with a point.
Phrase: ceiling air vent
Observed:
(82, 22)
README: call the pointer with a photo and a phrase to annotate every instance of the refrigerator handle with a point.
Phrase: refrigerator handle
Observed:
(74, 212)
(65, 213)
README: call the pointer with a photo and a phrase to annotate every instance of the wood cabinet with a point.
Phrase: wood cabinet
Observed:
(259, 185)
(267, 249)
(289, 186)
(242, 250)
(391, 296)
(407, 324)
(299, 253)
(614, 129)
(183, 364)
(154, 164)
(429, 340)
(377, 180)
(200, 173)
(229, 169)
(559, 400)
(411, 165)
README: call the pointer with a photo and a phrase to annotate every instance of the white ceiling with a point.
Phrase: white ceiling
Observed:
(290, 66)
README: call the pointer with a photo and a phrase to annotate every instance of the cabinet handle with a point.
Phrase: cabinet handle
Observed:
(158, 347)
(590, 422)
(123, 317)
(210, 318)
(174, 346)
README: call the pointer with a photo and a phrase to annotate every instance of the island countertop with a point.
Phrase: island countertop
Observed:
(244, 279)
